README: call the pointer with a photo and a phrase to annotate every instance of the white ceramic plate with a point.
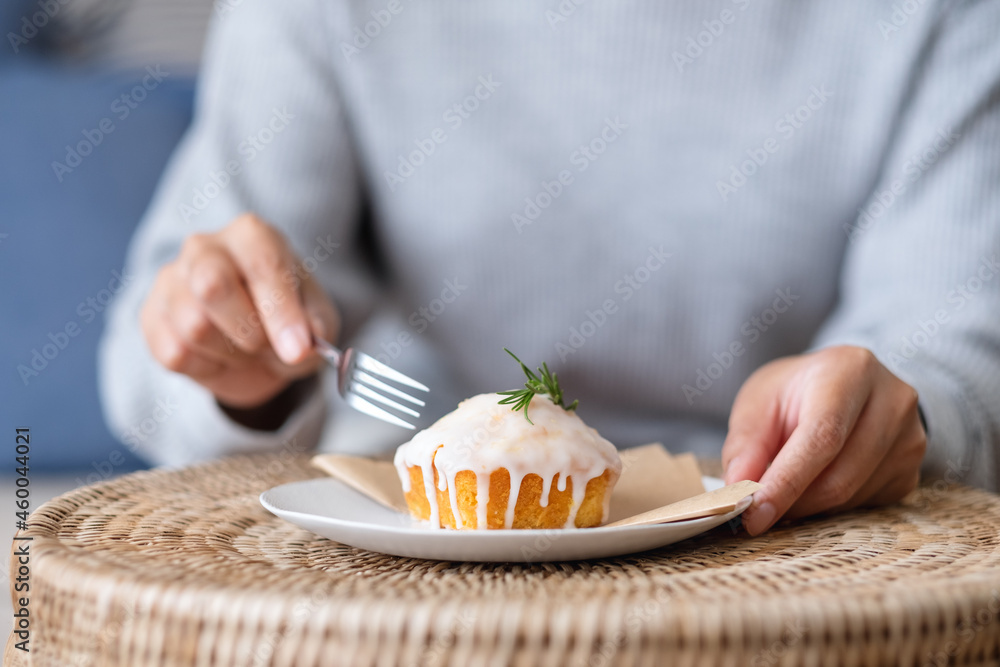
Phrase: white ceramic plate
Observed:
(331, 509)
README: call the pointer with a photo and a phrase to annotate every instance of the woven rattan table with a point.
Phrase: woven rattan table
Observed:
(186, 568)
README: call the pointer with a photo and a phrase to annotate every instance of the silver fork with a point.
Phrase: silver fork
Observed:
(358, 381)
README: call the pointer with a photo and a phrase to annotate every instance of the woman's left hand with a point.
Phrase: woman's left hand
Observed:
(825, 431)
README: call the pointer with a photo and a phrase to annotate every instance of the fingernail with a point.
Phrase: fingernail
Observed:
(761, 517)
(292, 344)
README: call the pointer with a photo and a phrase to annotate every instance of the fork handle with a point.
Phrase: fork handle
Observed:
(329, 352)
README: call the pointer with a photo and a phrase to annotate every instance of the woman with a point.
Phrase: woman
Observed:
(776, 213)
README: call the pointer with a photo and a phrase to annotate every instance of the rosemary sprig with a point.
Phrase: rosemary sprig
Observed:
(546, 385)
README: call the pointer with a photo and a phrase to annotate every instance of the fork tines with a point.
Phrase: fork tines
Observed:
(367, 386)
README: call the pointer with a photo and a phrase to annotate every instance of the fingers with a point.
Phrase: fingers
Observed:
(210, 275)
(827, 431)
(856, 465)
(168, 347)
(266, 264)
(755, 429)
(892, 482)
(833, 397)
(191, 321)
(324, 320)
(881, 458)
(232, 313)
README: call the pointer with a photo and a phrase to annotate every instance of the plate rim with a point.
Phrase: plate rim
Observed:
(451, 534)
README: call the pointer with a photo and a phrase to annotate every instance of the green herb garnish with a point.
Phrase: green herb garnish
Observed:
(546, 385)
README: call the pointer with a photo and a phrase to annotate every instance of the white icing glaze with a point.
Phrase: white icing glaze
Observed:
(482, 497)
(428, 474)
(483, 436)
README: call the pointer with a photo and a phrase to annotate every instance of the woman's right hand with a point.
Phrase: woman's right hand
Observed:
(236, 313)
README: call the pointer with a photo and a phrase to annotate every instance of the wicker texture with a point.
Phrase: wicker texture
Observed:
(186, 568)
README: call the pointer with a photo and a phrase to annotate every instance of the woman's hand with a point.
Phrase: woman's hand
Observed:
(837, 429)
(234, 313)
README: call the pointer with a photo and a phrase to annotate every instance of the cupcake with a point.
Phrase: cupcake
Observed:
(485, 465)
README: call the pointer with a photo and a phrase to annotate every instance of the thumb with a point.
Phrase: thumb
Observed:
(755, 431)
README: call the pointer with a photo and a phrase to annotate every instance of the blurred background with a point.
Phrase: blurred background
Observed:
(94, 96)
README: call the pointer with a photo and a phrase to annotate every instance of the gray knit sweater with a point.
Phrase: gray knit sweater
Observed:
(655, 197)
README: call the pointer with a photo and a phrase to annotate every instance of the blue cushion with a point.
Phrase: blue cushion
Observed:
(66, 233)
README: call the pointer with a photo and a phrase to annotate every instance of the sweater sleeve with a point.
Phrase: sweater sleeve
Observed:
(268, 136)
(920, 284)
